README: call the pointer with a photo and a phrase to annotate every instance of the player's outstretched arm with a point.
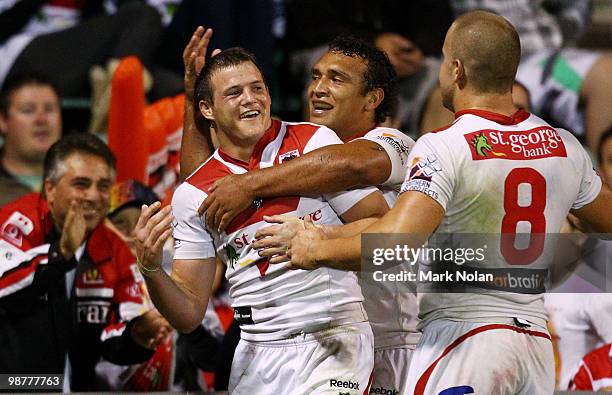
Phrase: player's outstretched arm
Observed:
(597, 213)
(414, 213)
(329, 169)
(182, 298)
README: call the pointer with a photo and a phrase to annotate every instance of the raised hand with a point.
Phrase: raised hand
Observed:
(74, 230)
(151, 232)
(194, 58)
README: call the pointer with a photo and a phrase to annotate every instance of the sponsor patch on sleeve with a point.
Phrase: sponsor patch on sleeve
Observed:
(537, 143)
(399, 145)
(422, 170)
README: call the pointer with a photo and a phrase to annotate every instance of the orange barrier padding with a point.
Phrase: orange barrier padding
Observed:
(126, 133)
(155, 128)
(175, 133)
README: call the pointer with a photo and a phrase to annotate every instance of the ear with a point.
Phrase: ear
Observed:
(374, 98)
(206, 110)
(49, 191)
(459, 73)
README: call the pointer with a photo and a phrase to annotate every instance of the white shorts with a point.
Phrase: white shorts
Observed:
(391, 370)
(335, 361)
(554, 81)
(457, 358)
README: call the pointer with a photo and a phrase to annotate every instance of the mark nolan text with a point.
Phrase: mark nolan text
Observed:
(428, 276)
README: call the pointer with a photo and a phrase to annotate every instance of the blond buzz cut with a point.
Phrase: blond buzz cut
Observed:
(489, 47)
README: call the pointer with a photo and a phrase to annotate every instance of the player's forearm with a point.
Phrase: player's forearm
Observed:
(329, 169)
(195, 144)
(340, 253)
(347, 230)
(414, 214)
(181, 308)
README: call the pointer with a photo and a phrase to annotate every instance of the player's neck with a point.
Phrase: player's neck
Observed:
(355, 129)
(241, 152)
(497, 103)
(240, 145)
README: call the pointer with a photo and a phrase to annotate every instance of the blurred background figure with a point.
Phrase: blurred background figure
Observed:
(411, 33)
(69, 289)
(66, 38)
(581, 322)
(30, 122)
(569, 87)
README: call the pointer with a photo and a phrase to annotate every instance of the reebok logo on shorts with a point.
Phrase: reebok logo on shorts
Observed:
(344, 384)
(383, 391)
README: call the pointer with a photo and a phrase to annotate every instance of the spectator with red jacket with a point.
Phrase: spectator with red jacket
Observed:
(70, 292)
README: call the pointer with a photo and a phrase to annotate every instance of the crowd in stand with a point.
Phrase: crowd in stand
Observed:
(72, 298)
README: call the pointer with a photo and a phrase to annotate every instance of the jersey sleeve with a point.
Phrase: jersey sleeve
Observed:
(191, 238)
(29, 266)
(430, 170)
(397, 146)
(590, 184)
(344, 200)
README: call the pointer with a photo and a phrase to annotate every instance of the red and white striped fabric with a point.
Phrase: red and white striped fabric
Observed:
(277, 301)
(595, 371)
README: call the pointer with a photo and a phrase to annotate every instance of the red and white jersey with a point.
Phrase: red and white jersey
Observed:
(581, 323)
(495, 174)
(391, 305)
(271, 302)
(595, 371)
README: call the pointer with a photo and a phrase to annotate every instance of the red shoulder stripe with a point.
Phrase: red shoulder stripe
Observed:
(206, 175)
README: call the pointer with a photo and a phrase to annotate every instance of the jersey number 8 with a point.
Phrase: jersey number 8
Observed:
(514, 213)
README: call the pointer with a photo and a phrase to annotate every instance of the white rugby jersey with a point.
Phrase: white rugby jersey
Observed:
(497, 174)
(391, 306)
(270, 301)
(581, 323)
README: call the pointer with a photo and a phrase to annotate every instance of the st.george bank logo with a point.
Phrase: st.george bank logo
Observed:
(542, 142)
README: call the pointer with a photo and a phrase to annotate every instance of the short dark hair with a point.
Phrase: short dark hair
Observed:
(227, 58)
(77, 142)
(379, 72)
(18, 81)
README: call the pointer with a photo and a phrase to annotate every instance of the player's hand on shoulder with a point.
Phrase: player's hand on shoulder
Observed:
(228, 197)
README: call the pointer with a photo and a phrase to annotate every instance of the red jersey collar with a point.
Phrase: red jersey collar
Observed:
(514, 119)
(269, 135)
